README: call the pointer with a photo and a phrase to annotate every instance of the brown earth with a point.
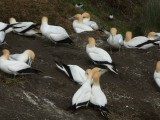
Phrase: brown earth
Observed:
(132, 95)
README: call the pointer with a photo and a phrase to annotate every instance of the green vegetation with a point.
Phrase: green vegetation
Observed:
(125, 13)
(149, 19)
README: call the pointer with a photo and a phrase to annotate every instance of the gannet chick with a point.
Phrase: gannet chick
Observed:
(99, 56)
(157, 74)
(140, 42)
(25, 28)
(78, 24)
(56, 34)
(15, 67)
(87, 20)
(83, 94)
(74, 72)
(98, 98)
(115, 40)
(27, 56)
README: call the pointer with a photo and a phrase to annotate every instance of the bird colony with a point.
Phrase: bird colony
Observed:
(89, 93)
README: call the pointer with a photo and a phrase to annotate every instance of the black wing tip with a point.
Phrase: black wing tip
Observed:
(29, 71)
(66, 40)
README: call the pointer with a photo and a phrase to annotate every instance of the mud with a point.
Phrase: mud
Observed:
(132, 95)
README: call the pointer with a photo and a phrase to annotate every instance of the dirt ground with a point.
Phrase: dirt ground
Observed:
(132, 95)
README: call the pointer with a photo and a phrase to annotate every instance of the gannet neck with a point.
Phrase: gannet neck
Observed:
(44, 20)
(91, 41)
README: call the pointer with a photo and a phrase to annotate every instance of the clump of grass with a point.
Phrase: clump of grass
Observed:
(149, 17)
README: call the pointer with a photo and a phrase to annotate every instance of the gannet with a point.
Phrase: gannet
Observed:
(83, 94)
(79, 5)
(115, 40)
(78, 24)
(110, 17)
(4, 29)
(74, 72)
(27, 56)
(140, 42)
(25, 28)
(56, 34)
(15, 67)
(157, 74)
(86, 20)
(99, 56)
(98, 98)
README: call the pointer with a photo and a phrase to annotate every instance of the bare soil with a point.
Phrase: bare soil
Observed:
(132, 95)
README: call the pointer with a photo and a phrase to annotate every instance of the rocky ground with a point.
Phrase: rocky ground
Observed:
(132, 95)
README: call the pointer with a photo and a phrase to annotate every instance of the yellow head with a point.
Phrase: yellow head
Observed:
(113, 31)
(6, 53)
(91, 41)
(158, 66)
(128, 36)
(151, 34)
(30, 53)
(88, 72)
(86, 15)
(78, 17)
(95, 69)
(44, 19)
(12, 20)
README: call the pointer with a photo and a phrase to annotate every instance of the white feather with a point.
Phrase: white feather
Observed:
(157, 78)
(80, 27)
(90, 23)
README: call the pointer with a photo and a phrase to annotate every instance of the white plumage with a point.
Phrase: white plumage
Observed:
(25, 28)
(86, 20)
(115, 40)
(78, 24)
(4, 29)
(157, 74)
(99, 56)
(82, 96)
(140, 42)
(14, 67)
(74, 72)
(98, 98)
(56, 34)
(27, 56)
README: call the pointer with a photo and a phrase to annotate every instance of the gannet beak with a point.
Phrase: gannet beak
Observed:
(71, 18)
(103, 71)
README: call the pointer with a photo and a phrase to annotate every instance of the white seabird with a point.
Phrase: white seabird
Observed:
(98, 98)
(15, 67)
(157, 74)
(110, 17)
(83, 94)
(27, 56)
(4, 29)
(25, 28)
(87, 20)
(74, 72)
(140, 42)
(79, 5)
(56, 34)
(99, 56)
(115, 40)
(78, 24)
